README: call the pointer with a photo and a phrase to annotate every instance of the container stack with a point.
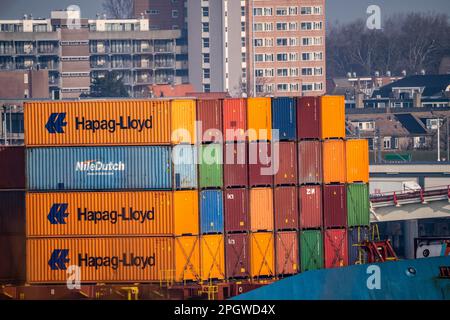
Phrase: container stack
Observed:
(12, 214)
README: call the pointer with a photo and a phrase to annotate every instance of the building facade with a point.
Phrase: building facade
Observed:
(162, 15)
(286, 47)
(24, 84)
(75, 51)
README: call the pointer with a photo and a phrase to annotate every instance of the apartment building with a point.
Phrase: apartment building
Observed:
(162, 15)
(286, 47)
(217, 45)
(24, 84)
(76, 50)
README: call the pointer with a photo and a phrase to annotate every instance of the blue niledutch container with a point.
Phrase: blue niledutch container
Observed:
(284, 118)
(184, 166)
(355, 236)
(211, 211)
(99, 168)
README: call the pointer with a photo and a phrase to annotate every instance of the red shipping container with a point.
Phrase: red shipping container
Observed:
(286, 208)
(310, 162)
(12, 168)
(237, 255)
(336, 251)
(334, 206)
(236, 210)
(308, 118)
(310, 207)
(286, 252)
(260, 164)
(235, 168)
(287, 163)
(235, 119)
(209, 113)
(12, 213)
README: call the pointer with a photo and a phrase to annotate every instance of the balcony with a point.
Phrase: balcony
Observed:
(104, 65)
(121, 50)
(165, 64)
(7, 51)
(164, 49)
(120, 65)
(25, 52)
(48, 52)
(7, 66)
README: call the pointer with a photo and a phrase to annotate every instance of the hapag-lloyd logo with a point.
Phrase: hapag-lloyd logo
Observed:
(95, 167)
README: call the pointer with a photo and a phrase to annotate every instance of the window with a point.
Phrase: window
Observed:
(205, 42)
(206, 58)
(205, 11)
(317, 25)
(258, 42)
(175, 14)
(307, 41)
(292, 41)
(306, 56)
(419, 142)
(205, 26)
(318, 56)
(269, 72)
(387, 143)
(282, 57)
(268, 42)
(243, 57)
(259, 88)
(282, 42)
(206, 73)
(243, 43)
(307, 71)
(282, 87)
(259, 57)
(258, 27)
(269, 57)
(293, 72)
(268, 26)
(294, 86)
(242, 11)
(282, 72)
(281, 26)
(259, 73)
(293, 56)
(242, 26)
(306, 10)
(318, 71)
(267, 11)
(293, 26)
(317, 10)
(318, 86)
(306, 26)
(307, 87)
(281, 12)
(257, 12)
(153, 12)
(318, 41)
(293, 11)
(207, 87)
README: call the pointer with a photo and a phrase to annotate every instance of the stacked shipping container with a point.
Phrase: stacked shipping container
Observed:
(128, 178)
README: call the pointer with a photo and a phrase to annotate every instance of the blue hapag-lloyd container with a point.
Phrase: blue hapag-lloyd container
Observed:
(99, 168)
(184, 166)
(211, 211)
(284, 118)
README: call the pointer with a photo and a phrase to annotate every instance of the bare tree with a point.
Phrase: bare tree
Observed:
(118, 9)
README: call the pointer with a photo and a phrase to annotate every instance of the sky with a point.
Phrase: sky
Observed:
(337, 10)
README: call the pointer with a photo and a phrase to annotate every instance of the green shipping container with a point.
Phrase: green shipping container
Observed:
(358, 213)
(211, 168)
(311, 250)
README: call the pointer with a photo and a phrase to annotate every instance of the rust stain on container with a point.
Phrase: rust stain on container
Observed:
(212, 257)
(209, 113)
(310, 207)
(236, 210)
(334, 206)
(287, 163)
(286, 208)
(113, 122)
(357, 157)
(333, 161)
(235, 168)
(310, 162)
(286, 250)
(235, 119)
(259, 119)
(262, 254)
(237, 255)
(12, 167)
(261, 209)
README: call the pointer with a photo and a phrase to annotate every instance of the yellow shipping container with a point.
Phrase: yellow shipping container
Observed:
(333, 117)
(262, 254)
(66, 214)
(357, 158)
(261, 209)
(111, 260)
(333, 161)
(95, 122)
(259, 119)
(183, 121)
(187, 258)
(212, 257)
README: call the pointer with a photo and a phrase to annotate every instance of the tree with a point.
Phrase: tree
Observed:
(110, 86)
(119, 9)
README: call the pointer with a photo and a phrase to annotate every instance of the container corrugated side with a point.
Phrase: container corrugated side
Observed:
(12, 259)
(310, 207)
(259, 119)
(286, 171)
(235, 119)
(183, 122)
(212, 257)
(309, 162)
(113, 122)
(311, 250)
(235, 168)
(262, 253)
(187, 259)
(308, 118)
(237, 255)
(99, 168)
(236, 207)
(260, 164)
(210, 166)
(284, 118)
(185, 166)
(261, 209)
(357, 160)
(286, 250)
(333, 152)
(12, 168)
(335, 248)
(211, 211)
(358, 208)
(65, 214)
(187, 212)
(332, 117)
(109, 260)
(12, 212)
(334, 206)
(209, 113)
(285, 202)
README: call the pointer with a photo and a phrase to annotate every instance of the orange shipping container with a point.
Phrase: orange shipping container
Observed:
(119, 122)
(110, 260)
(262, 254)
(183, 121)
(357, 158)
(212, 257)
(259, 119)
(111, 213)
(187, 258)
(333, 117)
(333, 161)
(261, 209)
